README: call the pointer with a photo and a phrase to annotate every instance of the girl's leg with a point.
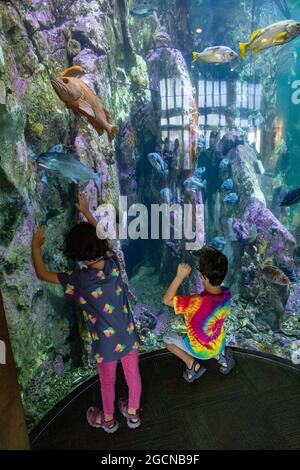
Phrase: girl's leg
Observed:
(107, 376)
(130, 364)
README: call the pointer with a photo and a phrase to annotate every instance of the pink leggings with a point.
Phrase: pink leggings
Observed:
(107, 375)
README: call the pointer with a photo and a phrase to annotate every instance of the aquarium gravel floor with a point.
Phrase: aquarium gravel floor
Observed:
(256, 407)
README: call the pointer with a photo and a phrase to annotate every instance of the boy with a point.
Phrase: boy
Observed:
(204, 316)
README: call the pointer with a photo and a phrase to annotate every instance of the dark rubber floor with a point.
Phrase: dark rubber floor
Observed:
(256, 407)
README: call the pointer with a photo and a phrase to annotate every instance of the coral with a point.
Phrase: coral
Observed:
(11, 209)
(231, 140)
(74, 47)
(34, 47)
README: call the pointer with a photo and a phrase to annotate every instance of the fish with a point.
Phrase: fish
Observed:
(258, 117)
(195, 184)
(276, 34)
(202, 141)
(69, 167)
(59, 148)
(224, 163)
(227, 185)
(74, 71)
(45, 179)
(231, 198)
(291, 197)
(82, 100)
(289, 272)
(218, 243)
(143, 10)
(200, 171)
(166, 195)
(158, 163)
(275, 275)
(216, 55)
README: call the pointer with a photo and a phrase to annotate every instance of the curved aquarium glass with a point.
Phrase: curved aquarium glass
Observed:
(202, 101)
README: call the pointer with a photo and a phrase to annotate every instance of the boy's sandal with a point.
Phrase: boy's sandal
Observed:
(133, 421)
(93, 415)
(226, 362)
(191, 374)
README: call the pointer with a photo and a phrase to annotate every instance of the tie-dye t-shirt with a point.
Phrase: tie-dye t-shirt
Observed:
(103, 300)
(204, 316)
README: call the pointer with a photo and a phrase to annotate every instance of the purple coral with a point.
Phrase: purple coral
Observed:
(58, 366)
(241, 230)
(231, 140)
(163, 322)
(282, 243)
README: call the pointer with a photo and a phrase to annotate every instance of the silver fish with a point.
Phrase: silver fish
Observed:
(218, 243)
(166, 195)
(195, 184)
(143, 10)
(158, 163)
(216, 55)
(69, 167)
(200, 171)
(227, 185)
(231, 198)
(224, 163)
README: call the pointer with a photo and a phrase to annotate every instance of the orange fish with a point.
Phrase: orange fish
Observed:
(74, 71)
(79, 97)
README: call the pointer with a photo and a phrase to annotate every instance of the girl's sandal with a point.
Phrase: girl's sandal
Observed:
(226, 362)
(133, 421)
(93, 415)
(191, 374)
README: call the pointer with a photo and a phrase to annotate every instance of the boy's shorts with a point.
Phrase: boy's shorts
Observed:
(177, 340)
(174, 338)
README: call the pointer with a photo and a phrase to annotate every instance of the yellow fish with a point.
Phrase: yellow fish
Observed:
(274, 35)
(74, 71)
(216, 55)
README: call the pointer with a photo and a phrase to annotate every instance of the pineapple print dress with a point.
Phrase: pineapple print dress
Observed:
(103, 299)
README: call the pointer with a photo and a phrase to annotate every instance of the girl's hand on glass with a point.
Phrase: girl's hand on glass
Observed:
(39, 237)
(83, 203)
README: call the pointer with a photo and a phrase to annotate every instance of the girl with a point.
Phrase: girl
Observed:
(101, 293)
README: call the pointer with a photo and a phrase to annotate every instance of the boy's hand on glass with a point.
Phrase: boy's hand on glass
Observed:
(83, 203)
(183, 271)
(39, 237)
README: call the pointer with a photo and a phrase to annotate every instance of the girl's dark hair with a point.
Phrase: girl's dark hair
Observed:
(82, 243)
(213, 265)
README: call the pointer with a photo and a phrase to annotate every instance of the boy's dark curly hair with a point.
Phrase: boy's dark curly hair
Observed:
(213, 264)
(82, 243)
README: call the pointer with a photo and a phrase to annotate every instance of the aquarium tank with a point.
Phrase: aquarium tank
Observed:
(202, 105)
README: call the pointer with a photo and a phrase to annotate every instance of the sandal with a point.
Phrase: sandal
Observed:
(107, 426)
(191, 374)
(133, 421)
(226, 362)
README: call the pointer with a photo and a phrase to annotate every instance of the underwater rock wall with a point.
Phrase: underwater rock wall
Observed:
(125, 60)
(256, 236)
